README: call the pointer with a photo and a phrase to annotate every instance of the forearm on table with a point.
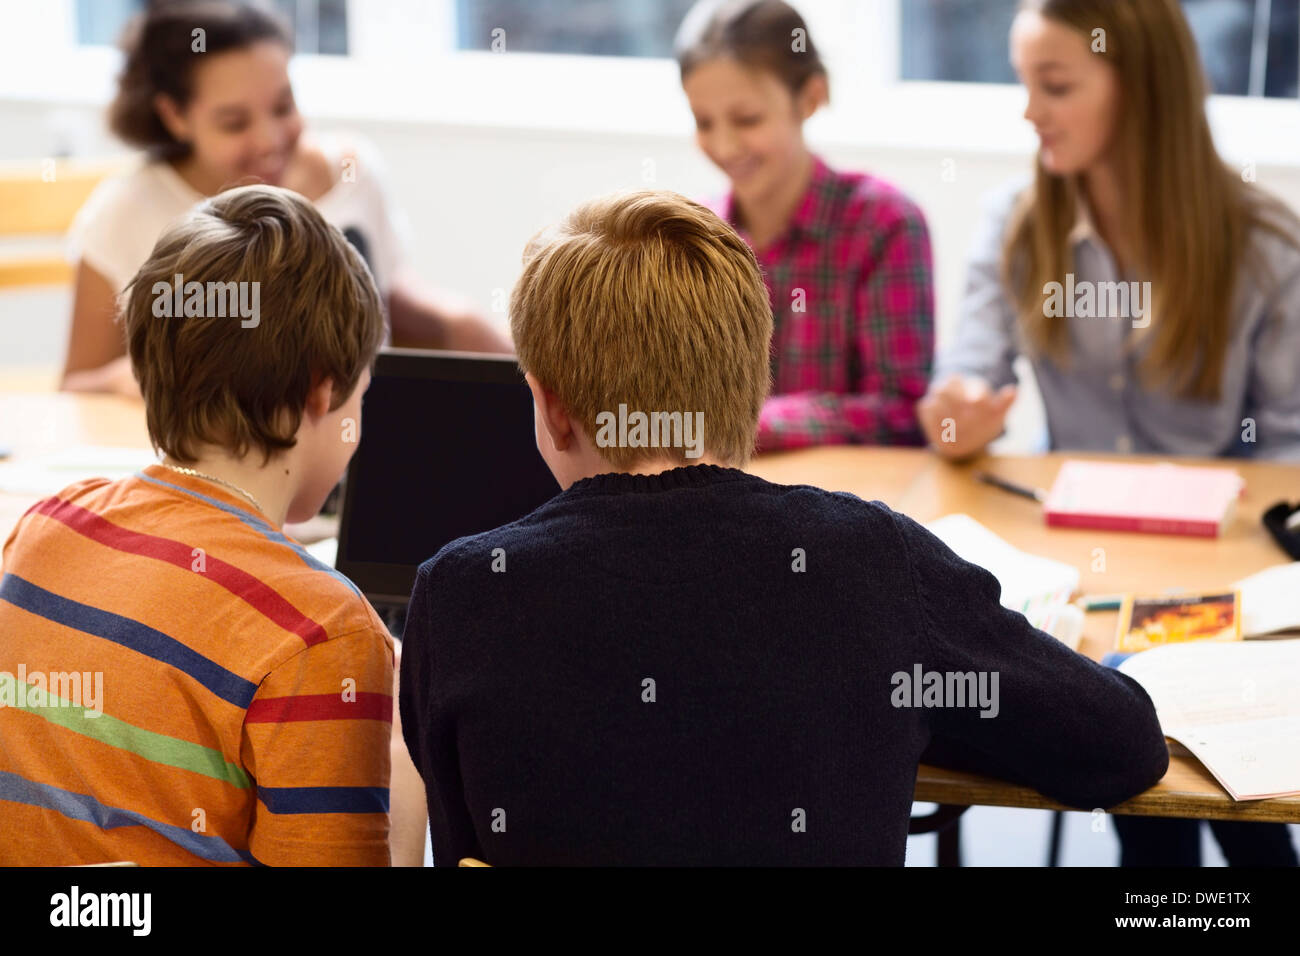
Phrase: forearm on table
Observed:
(823, 418)
(425, 318)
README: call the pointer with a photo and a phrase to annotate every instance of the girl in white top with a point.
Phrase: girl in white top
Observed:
(116, 229)
(205, 92)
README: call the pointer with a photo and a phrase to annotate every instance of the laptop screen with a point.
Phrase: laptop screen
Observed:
(447, 450)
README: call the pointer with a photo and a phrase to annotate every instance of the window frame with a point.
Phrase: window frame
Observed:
(871, 107)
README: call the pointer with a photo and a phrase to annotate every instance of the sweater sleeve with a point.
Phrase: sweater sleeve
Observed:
(430, 733)
(1079, 733)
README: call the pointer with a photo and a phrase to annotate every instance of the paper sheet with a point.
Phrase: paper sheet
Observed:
(1269, 600)
(1233, 706)
(45, 474)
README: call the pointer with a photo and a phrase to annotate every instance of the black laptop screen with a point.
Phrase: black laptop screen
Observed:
(447, 450)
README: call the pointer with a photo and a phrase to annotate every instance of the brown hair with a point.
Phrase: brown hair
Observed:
(1188, 214)
(214, 378)
(766, 35)
(160, 59)
(650, 300)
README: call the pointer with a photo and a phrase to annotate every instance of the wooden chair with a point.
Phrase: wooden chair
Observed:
(38, 201)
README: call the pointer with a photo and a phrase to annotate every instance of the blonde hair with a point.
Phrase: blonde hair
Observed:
(1188, 215)
(213, 378)
(648, 300)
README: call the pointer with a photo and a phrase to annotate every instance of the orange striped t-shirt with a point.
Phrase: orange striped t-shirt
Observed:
(181, 683)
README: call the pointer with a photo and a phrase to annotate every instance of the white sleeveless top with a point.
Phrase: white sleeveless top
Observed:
(115, 231)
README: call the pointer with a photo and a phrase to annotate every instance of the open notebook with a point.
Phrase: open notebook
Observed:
(1233, 706)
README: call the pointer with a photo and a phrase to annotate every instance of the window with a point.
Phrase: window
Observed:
(1250, 47)
(319, 26)
(100, 22)
(596, 27)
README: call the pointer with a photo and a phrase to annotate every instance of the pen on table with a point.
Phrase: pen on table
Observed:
(1100, 602)
(1001, 483)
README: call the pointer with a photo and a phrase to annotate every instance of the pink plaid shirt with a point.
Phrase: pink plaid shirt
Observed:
(853, 304)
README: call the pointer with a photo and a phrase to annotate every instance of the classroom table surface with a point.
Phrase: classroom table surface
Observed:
(923, 486)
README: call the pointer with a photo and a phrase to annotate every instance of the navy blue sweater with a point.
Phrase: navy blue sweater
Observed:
(702, 667)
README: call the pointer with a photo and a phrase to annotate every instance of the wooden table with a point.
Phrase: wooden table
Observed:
(33, 423)
(923, 486)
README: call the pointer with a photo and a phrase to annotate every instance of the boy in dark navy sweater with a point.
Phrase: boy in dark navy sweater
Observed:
(675, 662)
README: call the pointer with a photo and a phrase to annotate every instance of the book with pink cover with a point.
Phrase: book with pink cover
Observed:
(1157, 499)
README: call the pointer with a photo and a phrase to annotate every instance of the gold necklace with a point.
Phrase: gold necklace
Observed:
(221, 481)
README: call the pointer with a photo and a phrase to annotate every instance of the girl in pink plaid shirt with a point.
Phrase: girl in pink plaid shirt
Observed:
(846, 256)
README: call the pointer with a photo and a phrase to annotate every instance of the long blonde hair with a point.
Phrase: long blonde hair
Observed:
(1188, 216)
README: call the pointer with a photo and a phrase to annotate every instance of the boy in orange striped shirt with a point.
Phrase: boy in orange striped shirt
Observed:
(180, 682)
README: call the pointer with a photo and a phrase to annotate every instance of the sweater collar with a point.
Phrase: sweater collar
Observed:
(688, 476)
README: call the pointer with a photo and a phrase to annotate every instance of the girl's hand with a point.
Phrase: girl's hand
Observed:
(962, 414)
(115, 378)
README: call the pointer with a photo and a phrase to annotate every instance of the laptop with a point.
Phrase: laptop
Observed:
(447, 449)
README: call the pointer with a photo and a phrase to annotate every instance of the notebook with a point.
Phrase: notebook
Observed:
(1233, 706)
(1157, 499)
(1149, 621)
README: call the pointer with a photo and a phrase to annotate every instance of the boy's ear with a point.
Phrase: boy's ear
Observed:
(319, 399)
(552, 413)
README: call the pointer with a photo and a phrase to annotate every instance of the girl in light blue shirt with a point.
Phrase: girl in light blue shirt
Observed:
(1154, 290)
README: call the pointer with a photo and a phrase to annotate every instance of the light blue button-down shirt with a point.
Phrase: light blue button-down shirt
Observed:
(1097, 402)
